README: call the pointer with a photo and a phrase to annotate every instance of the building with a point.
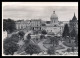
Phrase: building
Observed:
(74, 24)
(21, 24)
(33, 24)
(36, 24)
(53, 25)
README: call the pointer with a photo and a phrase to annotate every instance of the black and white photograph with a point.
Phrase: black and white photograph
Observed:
(39, 28)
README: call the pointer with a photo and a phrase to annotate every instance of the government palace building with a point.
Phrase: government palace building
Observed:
(53, 26)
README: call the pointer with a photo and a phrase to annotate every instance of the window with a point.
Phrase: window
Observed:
(33, 28)
(54, 21)
(51, 30)
(55, 25)
(40, 28)
(48, 22)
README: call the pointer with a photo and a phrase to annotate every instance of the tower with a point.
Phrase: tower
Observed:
(54, 18)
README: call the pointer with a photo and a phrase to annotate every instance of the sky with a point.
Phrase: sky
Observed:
(43, 11)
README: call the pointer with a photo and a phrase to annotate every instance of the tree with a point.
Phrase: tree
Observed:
(54, 41)
(4, 24)
(15, 38)
(36, 32)
(9, 47)
(21, 34)
(32, 49)
(44, 32)
(73, 33)
(28, 37)
(66, 31)
(51, 50)
(9, 25)
(42, 36)
(76, 40)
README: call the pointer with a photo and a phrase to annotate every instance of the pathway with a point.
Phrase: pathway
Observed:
(27, 34)
(61, 50)
(9, 35)
(40, 44)
(22, 45)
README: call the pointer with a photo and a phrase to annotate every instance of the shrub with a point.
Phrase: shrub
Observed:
(51, 50)
(44, 32)
(21, 34)
(69, 44)
(29, 36)
(9, 47)
(32, 49)
(15, 38)
(68, 50)
(42, 36)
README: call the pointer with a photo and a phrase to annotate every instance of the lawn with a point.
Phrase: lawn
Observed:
(59, 47)
(47, 41)
(56, 47)
(69, 44)
(36, 40)
(47, 45)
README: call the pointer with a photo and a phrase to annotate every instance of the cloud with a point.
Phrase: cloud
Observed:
(43, 12)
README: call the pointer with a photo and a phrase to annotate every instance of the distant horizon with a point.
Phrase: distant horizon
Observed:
(30, 19)
(20, 10)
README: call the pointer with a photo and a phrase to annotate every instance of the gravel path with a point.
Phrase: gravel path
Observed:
(61, 50)
(40, 44)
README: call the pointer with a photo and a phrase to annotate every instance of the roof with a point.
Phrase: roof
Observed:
(48, 22)
(74, 19)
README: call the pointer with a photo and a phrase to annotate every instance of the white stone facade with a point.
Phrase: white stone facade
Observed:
(36, 24)
(54, 26)
(23, 25)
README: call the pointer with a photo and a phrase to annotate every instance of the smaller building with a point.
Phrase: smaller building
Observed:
(36, 24)
(21, 24)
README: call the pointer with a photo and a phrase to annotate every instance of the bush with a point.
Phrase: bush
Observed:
(71, 50)
(51, 50)
(76, 40)
(9, 47)
(68, 50)
(21, 34)
(32, 49)
(29, 36)
(69, 44)
(44, 32)
(15, 38)
(42, 36)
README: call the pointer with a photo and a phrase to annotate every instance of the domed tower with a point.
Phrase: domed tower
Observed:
(54, 18)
